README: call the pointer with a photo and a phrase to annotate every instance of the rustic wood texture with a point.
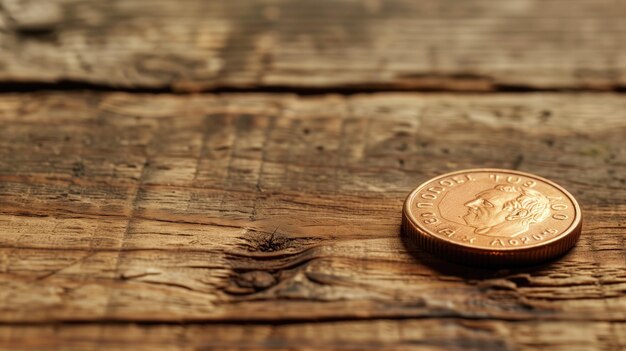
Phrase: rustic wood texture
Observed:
(428, 334)
(153, 220)
(192, 45)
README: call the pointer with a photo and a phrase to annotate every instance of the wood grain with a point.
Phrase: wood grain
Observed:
(180, 216)
(419, 334)
(192, 45)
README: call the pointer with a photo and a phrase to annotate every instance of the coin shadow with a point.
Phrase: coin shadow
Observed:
(450, 268)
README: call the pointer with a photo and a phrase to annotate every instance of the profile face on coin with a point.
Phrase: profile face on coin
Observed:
(506, 210)
(491, 213)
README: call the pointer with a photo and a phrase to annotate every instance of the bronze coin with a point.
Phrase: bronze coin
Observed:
(492, 217)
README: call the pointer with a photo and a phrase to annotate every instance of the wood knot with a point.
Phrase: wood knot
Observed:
(78, 169)
(272, 242)
(257, 280)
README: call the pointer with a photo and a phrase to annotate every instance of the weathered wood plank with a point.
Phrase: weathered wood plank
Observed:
(402, 44)
(260, 207)
(444, 334)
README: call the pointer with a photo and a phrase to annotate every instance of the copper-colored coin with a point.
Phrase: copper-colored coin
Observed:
(492, 217)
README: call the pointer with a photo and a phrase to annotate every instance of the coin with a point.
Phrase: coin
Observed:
(492, 217)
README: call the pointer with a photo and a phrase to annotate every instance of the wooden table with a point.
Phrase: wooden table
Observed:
(200, 175)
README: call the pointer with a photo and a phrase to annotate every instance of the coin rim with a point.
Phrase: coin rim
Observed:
(576, 223)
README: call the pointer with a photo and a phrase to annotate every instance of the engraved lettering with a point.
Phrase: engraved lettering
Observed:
(513, 242)
(449, 232)
(436, 189)
(559, 207)
(495, 177)
(524, 239)
(497, 242)
(430, 218)
(537, 236)
(529, 184)
(560, 216)
(424, 204)
(446, 182)
(549, 231)
(513, 179)
(458, 180)
(428, 196)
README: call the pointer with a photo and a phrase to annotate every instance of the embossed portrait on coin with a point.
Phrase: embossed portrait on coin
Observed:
(506, 210)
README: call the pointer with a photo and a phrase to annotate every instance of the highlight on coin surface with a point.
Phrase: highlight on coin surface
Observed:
(492, 216)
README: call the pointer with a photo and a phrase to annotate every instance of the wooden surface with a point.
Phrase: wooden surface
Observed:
(191, 45)
(278, 209)
(263, 213)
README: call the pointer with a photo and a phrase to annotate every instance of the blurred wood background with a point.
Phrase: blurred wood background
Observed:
(200, 175)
